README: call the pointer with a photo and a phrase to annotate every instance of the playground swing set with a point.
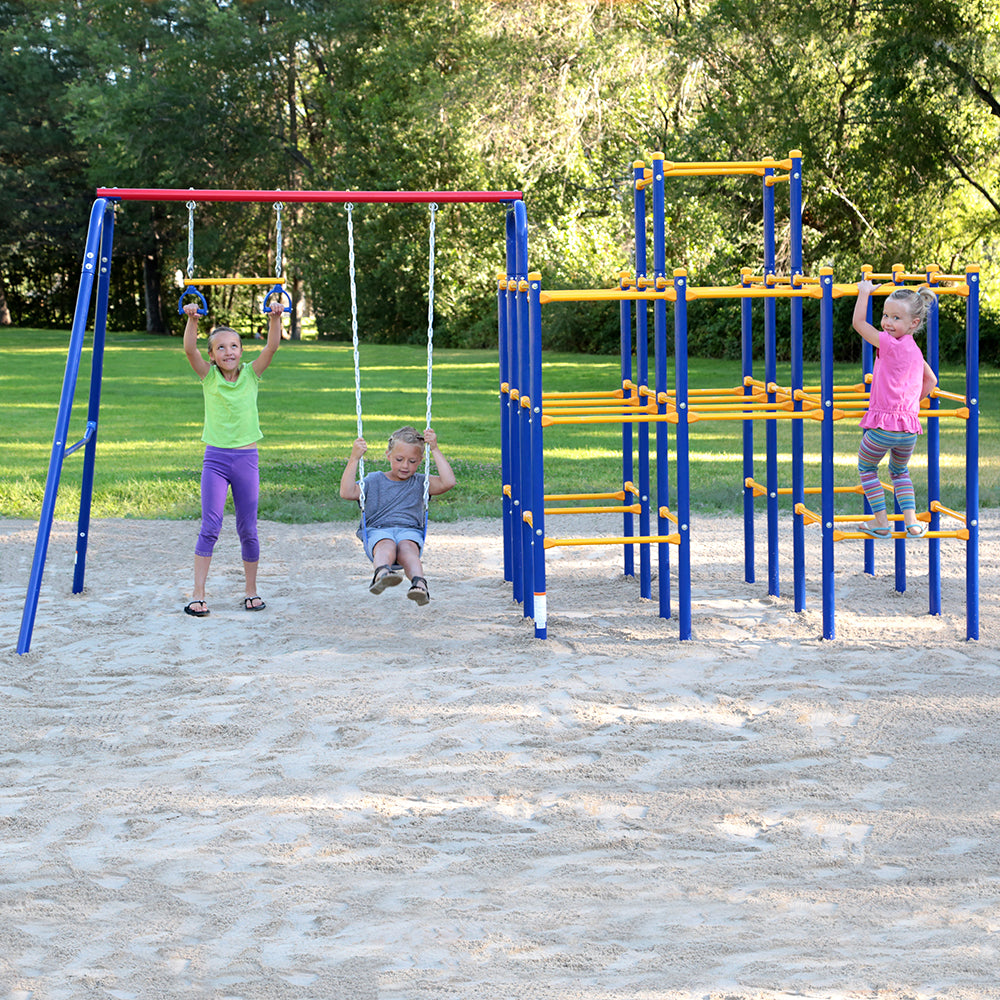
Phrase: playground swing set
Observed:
(93, 290)
(526, 411)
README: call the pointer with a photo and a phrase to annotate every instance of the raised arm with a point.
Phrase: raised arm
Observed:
(860, 319)
(445, 478)
(195, 358)
(349, 487)
(263, 359)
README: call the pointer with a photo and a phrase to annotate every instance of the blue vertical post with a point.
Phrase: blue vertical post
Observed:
(660, 360)
(770, 376)
(101, 209)
(94, 403)
(683, 509)
(628, 470)
(517, 334)
(642, 377)
(797, 378)
(900, 543)
(503, 341)
(826, 473)
(972, 454)
(867, 368)
(537, 526)
(749, 500)
(933, 465)
(523, 431)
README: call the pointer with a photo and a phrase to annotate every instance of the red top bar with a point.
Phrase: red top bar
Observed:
(203, 194)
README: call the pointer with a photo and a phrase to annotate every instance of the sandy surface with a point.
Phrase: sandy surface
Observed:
(348, 796)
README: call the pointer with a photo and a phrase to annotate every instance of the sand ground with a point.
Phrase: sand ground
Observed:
(348, 796)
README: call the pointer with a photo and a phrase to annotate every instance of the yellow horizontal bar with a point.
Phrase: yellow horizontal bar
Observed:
(670, 418)
(551, 543)
(608, 394)
(603, 295)
(766, 161)
(236, 281)
(963, 533)
(694, 417)
(556, 497)
(633, 509)
(609, 410)
(941, 509)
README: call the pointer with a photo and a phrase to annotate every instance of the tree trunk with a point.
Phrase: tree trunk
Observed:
(4, 308)
(153, 287)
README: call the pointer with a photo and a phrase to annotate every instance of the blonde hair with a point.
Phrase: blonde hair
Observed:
(223, 329)
(405, 435)
(918, 301)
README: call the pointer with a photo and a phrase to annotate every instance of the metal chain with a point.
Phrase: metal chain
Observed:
(190, 268)
(430, 354)
(354, 337)
(277, 250)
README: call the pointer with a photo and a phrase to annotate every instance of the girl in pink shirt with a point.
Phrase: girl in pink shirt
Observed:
(900, 380)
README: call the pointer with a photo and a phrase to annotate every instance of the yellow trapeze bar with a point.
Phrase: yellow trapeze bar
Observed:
(236, 281)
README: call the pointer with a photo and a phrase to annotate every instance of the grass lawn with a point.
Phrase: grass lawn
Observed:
(149, 448)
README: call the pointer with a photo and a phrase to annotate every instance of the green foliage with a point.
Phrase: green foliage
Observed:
(893, 106)
(149, 452)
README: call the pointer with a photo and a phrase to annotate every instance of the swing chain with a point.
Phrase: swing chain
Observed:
(430, 354)
(190, 264)
(354, 339)
(277, 240)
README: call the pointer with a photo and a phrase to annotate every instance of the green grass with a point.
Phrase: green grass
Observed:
(149, 448)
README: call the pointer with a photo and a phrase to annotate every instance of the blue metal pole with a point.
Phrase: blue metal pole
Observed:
(91, 259)
(537, 526)
(503, 346)
(683, 456)
(94, 405)
(642, 378)
(796, 351)
(660, 360)
(749, 501)
(770, 376)
(867, 368)
(518, 333)
(972, 454)
(933, 466)
(628, 469)
(826, 474)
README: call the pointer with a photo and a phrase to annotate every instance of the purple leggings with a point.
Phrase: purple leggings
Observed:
(224, 468)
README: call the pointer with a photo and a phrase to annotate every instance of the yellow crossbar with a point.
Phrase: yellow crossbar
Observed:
(551, 543)
(633, 509)
(236, 281)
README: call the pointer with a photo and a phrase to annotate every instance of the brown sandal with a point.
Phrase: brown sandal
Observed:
(418, 591)
(385, 576)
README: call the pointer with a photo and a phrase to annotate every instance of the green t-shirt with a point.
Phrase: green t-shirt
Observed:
(231, 419)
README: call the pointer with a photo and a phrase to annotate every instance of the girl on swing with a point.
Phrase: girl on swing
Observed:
(393, 507)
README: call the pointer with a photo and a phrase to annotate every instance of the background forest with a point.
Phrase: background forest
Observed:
(894, 104)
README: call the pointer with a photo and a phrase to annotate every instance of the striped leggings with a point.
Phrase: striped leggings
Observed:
(875, 444)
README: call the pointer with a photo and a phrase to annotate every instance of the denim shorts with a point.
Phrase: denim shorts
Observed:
(397, 534)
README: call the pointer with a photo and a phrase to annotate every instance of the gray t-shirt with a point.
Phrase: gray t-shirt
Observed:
(391, 503)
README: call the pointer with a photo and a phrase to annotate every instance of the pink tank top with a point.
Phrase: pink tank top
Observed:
(898, 377)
